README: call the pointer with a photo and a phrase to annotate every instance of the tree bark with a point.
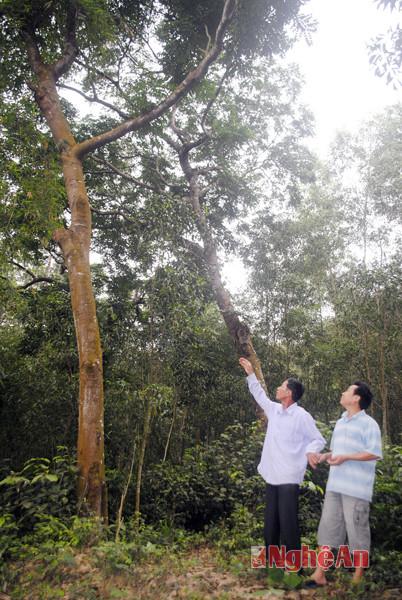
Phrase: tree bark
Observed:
(147, 425)
(208, 260)
(75, 241)
(75, 246)
(238, 331)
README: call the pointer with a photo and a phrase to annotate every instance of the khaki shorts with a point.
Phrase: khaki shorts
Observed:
(341, 515)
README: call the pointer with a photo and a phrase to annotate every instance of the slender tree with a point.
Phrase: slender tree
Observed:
(41, 43)
(223, 148)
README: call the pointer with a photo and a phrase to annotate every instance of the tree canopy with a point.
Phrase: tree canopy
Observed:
(193, 150)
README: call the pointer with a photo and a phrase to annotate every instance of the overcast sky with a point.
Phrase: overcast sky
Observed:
(341, 88)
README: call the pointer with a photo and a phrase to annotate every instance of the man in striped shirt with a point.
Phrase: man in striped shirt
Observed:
(354, 451)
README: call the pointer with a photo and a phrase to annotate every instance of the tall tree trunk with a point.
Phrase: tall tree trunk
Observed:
(145, 434)
(75, 242)
(75, 246)
(207, 259)
(172, 422)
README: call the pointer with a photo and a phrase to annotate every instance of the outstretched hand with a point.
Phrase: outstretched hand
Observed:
(324, 457)
(337, 460)
(313, 459)
(247, 366)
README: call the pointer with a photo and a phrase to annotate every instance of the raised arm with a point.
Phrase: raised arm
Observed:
(247, 366)
(255, 386)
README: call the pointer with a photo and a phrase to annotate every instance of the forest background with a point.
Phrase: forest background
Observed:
(196, 152)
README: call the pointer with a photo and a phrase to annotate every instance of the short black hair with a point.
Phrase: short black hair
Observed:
(296, 387)
(366, 395)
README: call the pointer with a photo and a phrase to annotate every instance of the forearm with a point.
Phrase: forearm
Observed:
(258, 392)
(359, 456)
(316, 444)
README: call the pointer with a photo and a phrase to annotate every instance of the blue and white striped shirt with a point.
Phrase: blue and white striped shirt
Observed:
(359, 433)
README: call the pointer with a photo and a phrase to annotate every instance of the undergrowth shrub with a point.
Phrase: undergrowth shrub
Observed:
(35, 503)
(386, 513)
(209, 483)
(42, 488)
(216, 495)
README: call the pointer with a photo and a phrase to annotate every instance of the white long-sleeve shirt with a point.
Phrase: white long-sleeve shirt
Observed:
(291, 434)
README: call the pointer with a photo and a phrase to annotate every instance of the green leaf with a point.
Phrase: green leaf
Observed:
(292, 579)
(275, 575)
(11, 480)
(37, 477)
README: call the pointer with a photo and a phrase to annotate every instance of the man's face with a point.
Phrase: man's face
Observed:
(349, 398)
(283, 393)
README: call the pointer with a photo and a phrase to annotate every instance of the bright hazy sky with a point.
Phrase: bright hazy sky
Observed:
(341, 88)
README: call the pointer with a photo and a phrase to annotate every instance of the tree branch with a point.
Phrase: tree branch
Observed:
(34, 57)
(63, 64)
(36, 280)
(95, 99)
(128, 177)
(196, 143)
(188, 82)
(101, 74)
(157, 170)
(175, 145)
(13, 262)
(115, 213)
(181, 134)
(212, 101)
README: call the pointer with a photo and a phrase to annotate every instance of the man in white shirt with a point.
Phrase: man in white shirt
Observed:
(292, 439)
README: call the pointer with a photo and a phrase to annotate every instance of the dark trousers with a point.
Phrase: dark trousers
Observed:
(281, 524)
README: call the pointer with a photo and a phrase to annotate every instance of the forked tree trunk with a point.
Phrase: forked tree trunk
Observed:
(75, 241)
(75, 246)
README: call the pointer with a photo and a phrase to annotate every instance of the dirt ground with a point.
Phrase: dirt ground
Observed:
(201, 578)
(200, 575)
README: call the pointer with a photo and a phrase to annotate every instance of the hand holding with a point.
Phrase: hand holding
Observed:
(324, 457)
(337, 460)
(313, 459)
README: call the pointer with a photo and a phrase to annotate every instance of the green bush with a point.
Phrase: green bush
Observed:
(386, 513)
(209, 484)
(41, 489)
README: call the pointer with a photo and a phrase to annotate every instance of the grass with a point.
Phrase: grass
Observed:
(203, 572)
